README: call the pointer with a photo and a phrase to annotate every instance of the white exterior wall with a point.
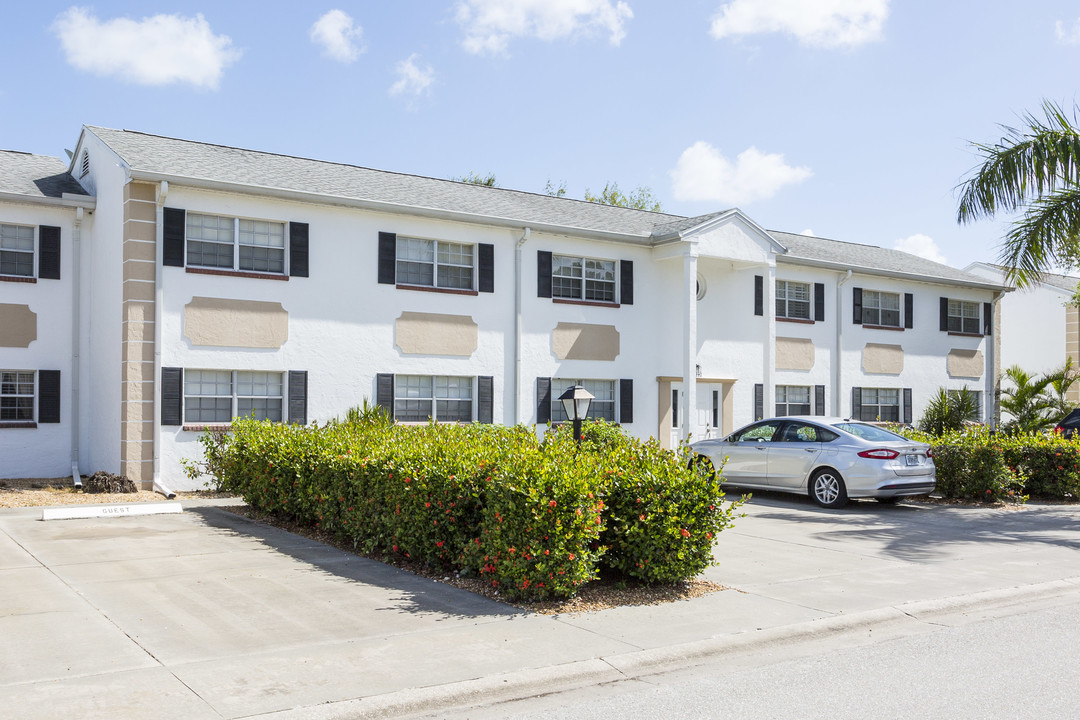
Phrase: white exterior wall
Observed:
(44, 451)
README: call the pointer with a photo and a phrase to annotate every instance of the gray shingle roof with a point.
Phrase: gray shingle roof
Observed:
(185, 158)
(1067, 283)
(871, 258)
(36, 175)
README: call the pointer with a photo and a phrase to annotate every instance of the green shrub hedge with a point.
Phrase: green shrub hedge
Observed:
(979, 464)
(536, 519)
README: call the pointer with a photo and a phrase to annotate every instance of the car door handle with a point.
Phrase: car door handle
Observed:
(809, 449)
(761, 448)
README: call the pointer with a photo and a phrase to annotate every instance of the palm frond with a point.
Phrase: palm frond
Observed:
(1046, 235)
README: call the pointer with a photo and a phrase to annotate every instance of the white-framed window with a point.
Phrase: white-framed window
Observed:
(442, 398)
(603, 403)
(581, 278)
(881, 308)
(880, 404)
(17, 250)
(792, 400)
(964, 317)
(235, 243)
(218, 396)
(435, 263)
(792, 300)
(16, 395)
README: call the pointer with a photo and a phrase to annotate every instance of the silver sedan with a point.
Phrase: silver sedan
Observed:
(830, 459)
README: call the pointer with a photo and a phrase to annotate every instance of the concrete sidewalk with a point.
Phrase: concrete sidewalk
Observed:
(207, 615)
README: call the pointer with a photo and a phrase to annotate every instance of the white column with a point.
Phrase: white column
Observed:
(768, 375)
(688, 409)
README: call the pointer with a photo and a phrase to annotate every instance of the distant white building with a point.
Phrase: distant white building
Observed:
(215, 282)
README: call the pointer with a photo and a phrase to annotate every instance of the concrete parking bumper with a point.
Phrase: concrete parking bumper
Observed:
(205, 614)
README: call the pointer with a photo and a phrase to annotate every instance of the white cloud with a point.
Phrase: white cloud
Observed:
(339, 37)
(817, 23)
(702, 173)
(921, 245)
(808, 233)
(156, 50)
(412, 79)
(1067, 35)
(490, 24)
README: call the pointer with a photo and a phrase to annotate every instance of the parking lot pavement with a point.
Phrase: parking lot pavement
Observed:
(207, 614)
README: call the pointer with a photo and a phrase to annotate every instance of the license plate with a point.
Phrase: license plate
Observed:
(913, 459)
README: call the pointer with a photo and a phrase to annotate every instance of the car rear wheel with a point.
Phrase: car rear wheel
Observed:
(827, 489)
(703, 462)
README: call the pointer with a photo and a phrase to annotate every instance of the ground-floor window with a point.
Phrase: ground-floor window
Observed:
(880, 404)
(443, 398)
(218, 396)
(792, 400)
(602, 406)
(17, 395)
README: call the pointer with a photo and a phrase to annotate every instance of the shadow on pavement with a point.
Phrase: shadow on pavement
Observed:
(416, 594)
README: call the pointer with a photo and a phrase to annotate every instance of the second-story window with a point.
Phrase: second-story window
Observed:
(792, 300)
(434, 263)
(881, 308)
(235, 243)
(964, 317)
(577, 278)
(17, 250)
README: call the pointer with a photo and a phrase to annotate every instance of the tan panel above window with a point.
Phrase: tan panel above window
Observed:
(418, 333)
(966, 363)
(581, 341)
(881, 359)
(18, 326)
(217, 322)
(794, 353)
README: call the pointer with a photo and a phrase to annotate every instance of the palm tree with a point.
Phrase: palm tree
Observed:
(1027, 401)
(949, 410)
(1061, 380)
(1034, 169)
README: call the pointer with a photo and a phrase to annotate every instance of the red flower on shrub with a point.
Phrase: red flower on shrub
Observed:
(439, 544)
(551, 503)
(571, 556)
(686, 533)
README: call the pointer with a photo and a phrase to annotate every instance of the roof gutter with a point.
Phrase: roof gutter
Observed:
(383, 206)
(66, 200)
(844, 267)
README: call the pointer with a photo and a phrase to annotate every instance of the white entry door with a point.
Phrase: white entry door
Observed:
(709, 410)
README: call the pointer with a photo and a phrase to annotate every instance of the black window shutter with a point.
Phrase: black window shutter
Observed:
(485, 391)
(298, 397)
(486, 260)
(856, 302)
(909, 310)
(626, 401)
(626, 268)
(759, 402)
(48, 396)
(49, 248)
(543, 274)
(387, 257)
(819, 399)
(543, 399)
(907, 406)
(172, 396)
(856, 403)
(819, 302)
(384, 392)
(759, 295)
(298, 249)
(173, 231)
(988, 319)
(943, 314)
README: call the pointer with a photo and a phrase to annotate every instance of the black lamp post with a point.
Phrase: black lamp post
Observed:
(576, 402)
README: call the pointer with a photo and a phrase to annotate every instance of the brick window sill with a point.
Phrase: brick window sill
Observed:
(447, 291)
(236, 273)
(964, 334)
(800, 321)
(587, 303)
(201, 427)
(17, 278)
(23, 425)
(884, 327)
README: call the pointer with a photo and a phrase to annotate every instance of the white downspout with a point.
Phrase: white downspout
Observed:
(159, 295)
(838, 359)
(517, 327)
(688, 411)
(76, 336)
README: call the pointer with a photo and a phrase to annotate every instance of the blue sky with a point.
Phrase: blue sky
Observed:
(851, 119)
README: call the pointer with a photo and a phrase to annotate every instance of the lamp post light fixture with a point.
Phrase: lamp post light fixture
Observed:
(575, 402)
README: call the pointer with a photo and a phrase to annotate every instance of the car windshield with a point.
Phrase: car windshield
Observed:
(868, 432)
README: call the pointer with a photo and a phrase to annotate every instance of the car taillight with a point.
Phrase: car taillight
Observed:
(880, 454)
(929, 452)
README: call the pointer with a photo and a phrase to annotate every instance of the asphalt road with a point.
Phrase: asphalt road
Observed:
(1024, 665)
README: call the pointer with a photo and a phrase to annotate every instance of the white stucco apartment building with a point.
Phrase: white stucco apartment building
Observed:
(216, 281)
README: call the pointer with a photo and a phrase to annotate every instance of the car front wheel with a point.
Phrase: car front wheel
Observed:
(827, 489)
